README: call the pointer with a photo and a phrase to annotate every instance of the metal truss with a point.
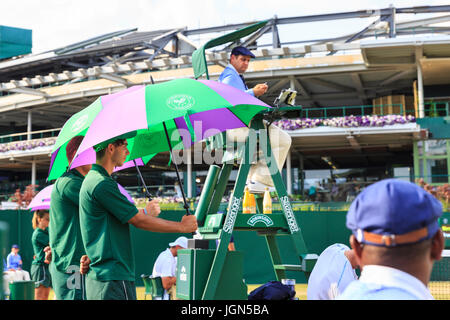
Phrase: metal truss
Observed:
(125, 52)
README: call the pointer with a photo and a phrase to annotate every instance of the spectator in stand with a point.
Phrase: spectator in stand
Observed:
(334, 191)
(351, 193)
(166, 267)
(312, 193)
(160, 191)
(177, 190)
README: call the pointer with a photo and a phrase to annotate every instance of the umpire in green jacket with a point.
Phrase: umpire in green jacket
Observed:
(105, 218)
(64, 230)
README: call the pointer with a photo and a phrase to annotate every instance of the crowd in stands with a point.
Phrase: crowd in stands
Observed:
(26, 144)
(441, 192)
(24, 198)
(328, 191)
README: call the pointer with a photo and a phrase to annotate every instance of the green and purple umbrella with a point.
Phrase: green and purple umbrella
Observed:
(185, 110)
(41, 201)
(170, 115)
(78, 124)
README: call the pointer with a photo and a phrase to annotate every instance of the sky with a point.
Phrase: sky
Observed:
(58, 23)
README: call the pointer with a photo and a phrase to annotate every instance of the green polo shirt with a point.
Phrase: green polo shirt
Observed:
(104, 215)
(39, 240)
(65, 234)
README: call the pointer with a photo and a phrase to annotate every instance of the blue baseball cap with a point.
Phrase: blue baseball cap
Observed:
(242, 51)
(393, 212)
(15, 246)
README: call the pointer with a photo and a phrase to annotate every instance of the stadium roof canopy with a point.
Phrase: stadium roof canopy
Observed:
(383, 57)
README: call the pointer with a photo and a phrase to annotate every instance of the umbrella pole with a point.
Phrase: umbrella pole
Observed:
(186, 206)
(147, 193)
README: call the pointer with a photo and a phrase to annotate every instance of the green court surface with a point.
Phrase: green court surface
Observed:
(300, 290)
(439, 289)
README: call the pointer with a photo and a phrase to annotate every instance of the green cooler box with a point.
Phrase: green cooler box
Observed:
(21, 290)
(193, 269)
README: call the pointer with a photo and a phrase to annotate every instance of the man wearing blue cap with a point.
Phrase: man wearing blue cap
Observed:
(396, 238)
(232, 75)
(259, 175)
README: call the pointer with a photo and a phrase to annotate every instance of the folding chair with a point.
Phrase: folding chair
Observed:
(157, 288)
(148, 285)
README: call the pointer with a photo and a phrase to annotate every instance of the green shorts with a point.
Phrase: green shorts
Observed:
(40, 275)
(69, 285)
(110, 290)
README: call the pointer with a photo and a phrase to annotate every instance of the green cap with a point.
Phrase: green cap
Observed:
(104, 144)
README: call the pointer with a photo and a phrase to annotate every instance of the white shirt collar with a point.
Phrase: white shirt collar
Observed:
(232, 67)
(387, 276)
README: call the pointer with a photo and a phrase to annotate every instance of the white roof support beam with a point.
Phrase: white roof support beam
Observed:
(398, 76)
(422, 22)
(29, 91)
(277, 86)
(185, 39)
(359, 86)
(330, 84)
(216, 57)
(116, 78)
(305, 94)
(17, 88)
(170, 33)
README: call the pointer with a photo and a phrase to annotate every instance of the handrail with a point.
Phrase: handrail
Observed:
(437, 108)
(31, 133)
(329, 112)
(434, 109)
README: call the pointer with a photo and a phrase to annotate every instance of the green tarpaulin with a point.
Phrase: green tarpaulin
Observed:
(198, 57)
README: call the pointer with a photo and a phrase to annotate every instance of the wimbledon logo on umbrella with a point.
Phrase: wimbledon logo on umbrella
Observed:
(77, 125)
(180, 102)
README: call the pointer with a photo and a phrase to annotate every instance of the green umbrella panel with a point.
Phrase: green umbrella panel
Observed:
(199, 63)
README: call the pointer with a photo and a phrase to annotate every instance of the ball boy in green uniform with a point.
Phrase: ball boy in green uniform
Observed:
(105, 218)
(65, 234)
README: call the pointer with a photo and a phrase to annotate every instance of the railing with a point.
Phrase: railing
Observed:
(364, 110)
(431, 109)
(437, 109)
(22, 136)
